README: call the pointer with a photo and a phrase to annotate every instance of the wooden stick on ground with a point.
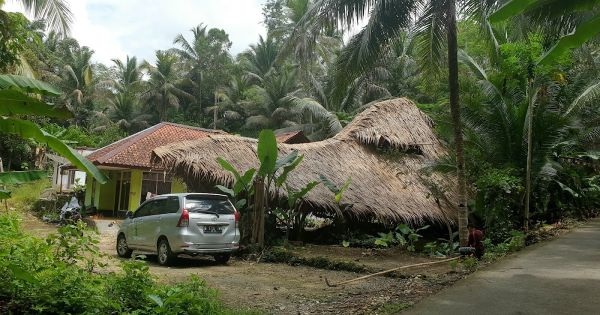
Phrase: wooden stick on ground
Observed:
(388, 271)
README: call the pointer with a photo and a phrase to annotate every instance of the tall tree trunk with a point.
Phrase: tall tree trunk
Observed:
(456, 121)
(531, 102)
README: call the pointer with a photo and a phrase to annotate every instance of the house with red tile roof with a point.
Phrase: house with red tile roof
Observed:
(132, 175)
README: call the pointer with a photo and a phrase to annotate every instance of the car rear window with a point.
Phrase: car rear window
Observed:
(199, 204)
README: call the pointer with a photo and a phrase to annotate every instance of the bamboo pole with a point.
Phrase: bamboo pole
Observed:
(3, 186)
(388, 271)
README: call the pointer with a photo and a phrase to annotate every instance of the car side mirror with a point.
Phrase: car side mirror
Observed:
(129, 214)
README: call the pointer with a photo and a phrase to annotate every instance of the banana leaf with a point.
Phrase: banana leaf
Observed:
(4, 194)
(28, 85)
(21, 177)
(13, 102)
(27, 129)
(267, 152)
(584, 32)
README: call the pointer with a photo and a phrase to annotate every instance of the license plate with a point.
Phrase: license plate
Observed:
(212, 229)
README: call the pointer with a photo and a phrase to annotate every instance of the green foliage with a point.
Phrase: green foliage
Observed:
(15, 35)
(19, 87)
(25, 195)
(54, 276)
(282, 255)
(267, 153)
(513, 243)
(403, 236)
(469, 263)
(549, 9)
(27, 85)
(21, 177)
(497, 202)
(337, 191)
(393, 308)
(440, 248)
(79, 136)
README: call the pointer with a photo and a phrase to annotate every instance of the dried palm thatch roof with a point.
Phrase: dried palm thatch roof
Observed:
(383, 150)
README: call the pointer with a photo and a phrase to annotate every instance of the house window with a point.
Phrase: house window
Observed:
(155, 183)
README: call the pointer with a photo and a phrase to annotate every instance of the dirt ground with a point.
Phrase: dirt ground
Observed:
(284, 289)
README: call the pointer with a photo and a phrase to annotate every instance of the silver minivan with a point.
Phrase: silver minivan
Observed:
(173, 224)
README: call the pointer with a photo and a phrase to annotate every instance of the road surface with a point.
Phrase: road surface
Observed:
(558, 277)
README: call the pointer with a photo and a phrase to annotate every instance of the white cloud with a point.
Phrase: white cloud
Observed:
(115, 28)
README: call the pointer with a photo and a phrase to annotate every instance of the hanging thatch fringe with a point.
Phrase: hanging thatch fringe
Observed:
(386, 186)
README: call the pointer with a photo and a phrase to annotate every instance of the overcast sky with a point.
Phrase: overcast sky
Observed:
(116, 28)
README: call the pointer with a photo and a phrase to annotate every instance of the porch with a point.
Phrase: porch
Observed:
(126, 189)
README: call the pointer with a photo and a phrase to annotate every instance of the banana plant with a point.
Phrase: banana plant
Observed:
(292, 216)
(584, 32)
(258, 182)
(21, 96)
(242, 187)
(338, 193)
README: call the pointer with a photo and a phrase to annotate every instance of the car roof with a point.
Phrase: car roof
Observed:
(191, 194)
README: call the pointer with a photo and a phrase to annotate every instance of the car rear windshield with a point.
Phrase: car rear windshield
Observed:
(199, 204)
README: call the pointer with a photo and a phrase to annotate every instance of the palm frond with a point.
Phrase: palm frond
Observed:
(55, 12)
(590, 94)
(431, 34)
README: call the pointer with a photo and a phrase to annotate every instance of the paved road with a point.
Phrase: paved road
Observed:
(557, 277)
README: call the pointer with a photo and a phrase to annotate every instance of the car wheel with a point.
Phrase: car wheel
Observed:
(222, 258)
(122, 249)
(165, 256)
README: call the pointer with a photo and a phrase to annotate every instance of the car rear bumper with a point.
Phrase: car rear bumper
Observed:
(194, 248)
(208, 250)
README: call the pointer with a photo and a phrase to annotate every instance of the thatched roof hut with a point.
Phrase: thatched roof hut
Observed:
(383, 150)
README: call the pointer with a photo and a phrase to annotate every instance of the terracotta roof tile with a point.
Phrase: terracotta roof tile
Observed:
(292, 137)
(135, 151)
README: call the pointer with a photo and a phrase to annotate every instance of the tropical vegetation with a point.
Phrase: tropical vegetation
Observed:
(512, 87)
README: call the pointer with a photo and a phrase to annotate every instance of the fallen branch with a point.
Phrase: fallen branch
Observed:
(388, 271)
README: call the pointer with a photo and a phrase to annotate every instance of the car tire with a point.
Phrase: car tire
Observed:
(123, 249)
(222, 258)
(164, 256)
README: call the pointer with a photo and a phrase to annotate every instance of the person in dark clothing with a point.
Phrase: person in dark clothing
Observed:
(476, 241)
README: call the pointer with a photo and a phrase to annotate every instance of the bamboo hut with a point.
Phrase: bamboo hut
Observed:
(384, 150)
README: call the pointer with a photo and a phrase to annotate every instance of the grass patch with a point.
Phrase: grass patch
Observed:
(281, 255)
(24, 196)
(393, 308)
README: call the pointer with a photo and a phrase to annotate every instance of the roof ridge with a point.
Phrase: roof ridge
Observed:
(127, 141)
(192, 127)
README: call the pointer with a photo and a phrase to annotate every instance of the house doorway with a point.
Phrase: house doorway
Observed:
(123, 188)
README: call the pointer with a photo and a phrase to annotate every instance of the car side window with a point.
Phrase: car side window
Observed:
(144, 210)
(165, 206)
(171, 205)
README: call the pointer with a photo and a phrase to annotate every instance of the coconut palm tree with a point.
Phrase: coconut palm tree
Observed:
(128, 76)
(76, 79)
(162, 91)
(56, 13)
(192, 53)
(259, 60)
(526, 127)
(207, 60)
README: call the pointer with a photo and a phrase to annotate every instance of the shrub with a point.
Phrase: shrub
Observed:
(403, 235)
(497, 202)
(54, 276)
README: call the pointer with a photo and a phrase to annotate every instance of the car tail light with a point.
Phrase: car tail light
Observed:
(184, 220)
(236, 214)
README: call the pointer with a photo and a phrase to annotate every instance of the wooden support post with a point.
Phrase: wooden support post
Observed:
(258, 224)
